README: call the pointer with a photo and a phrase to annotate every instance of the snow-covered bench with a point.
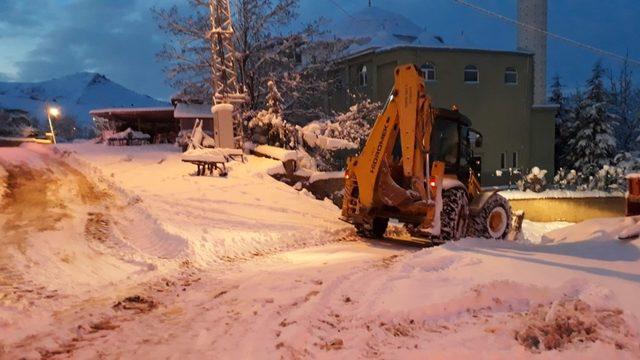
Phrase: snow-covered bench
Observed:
(209, 159)
(129, 137)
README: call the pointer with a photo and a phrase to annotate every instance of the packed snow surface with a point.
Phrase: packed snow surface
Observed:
(128, 255)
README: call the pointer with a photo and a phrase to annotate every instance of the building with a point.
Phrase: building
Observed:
(163, 124)
(502, 92)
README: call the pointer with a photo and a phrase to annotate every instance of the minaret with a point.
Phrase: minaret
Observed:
(534, 13)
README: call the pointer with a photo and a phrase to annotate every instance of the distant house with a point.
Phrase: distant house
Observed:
(164, 124)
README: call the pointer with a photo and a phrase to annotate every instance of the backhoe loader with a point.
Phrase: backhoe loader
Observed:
(417, 166)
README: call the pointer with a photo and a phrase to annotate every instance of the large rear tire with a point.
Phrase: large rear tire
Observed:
(374, 231)
(454, 215)
(493, 221)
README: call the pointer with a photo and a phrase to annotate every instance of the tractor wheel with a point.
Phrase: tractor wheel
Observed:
(376, 230)
(454, 215)
(493, 221)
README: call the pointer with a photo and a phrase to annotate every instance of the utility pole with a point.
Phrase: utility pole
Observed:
(228, 94)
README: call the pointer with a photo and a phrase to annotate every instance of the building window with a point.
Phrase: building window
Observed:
(503, 160)
(514, 159)
(511, 76)
(471, 74)
(362, 76)
(428, 72)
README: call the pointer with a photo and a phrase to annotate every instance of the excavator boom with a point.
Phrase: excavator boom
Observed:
(407, 117)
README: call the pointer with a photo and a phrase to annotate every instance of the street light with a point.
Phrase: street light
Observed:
(52, 112)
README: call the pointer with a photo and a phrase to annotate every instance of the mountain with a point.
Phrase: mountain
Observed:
(75, 94)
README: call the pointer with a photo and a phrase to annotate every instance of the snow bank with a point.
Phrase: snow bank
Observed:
(276, 152)
(3, 182)
(319, 175)
(246, 214)
(557, 194)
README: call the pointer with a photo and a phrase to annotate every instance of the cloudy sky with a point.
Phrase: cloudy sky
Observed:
(41, 39)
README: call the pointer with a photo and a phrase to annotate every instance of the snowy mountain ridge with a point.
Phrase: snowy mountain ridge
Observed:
(75, 94)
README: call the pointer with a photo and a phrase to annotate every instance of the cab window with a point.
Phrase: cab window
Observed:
(444, 142)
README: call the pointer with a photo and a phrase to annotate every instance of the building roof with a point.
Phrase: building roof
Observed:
(380, 50)
(150, 113)
(380, 26)
(193, 111)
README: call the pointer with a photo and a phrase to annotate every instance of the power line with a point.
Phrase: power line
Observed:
(549, 34)
(341, 8)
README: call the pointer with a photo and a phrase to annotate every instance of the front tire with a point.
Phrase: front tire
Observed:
(493, 221)
(454, 215)
(374, 231)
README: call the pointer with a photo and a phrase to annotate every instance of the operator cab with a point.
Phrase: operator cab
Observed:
(453, 142)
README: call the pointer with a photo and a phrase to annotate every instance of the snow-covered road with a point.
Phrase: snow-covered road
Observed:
(245, 267)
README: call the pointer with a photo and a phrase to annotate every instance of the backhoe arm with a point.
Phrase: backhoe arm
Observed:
(408, 112)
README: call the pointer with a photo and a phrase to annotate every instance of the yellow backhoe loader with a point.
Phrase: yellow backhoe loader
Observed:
(417, 166)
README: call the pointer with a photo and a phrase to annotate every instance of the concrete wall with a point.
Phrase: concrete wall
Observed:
(502, 112)
(570, 209)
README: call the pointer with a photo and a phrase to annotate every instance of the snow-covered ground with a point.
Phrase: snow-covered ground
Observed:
(179, 266)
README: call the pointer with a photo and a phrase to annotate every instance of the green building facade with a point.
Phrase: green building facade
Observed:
(493, 88)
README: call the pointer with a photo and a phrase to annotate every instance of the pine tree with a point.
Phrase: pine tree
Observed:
(626, 105)
(594, 142)
(274, 99)
(562, 123)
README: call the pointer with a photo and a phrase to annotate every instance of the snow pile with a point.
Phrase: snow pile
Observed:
(319, 176)
(276, 152)
(568, 323)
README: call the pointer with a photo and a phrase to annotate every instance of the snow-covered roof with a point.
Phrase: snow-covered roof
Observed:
(192, 111)
(376, 29)
(129, 110)
(444, 47)
(375, 22)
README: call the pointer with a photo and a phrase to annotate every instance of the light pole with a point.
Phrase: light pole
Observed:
(55, 112)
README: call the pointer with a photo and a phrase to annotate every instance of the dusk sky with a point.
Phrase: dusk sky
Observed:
(42, 39)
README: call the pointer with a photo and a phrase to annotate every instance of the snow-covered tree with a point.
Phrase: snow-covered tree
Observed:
(594, 142)
(274, 99)
(14, 122)
(266, 48)
(268, 126)
(562, 122)
(625, 100)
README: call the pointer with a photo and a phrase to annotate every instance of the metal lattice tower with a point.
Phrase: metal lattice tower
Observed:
(225, 81)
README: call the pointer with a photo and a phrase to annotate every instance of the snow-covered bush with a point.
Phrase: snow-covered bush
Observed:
(609, 178)
(534, 181)
(565, 180)
(267, 127)
(332, 141)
